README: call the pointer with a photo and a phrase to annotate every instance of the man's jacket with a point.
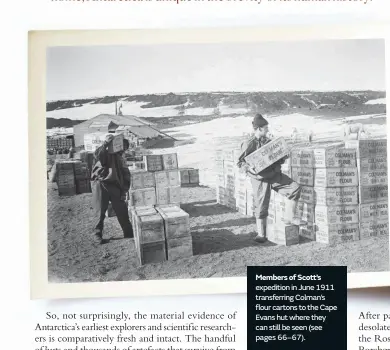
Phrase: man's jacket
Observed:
(251, 145)
(111, 168)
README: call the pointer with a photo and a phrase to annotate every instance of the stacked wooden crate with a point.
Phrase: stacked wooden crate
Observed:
(373, 186)
(280, 230)
(82, 177)
(149, 235)
(328, 176)
(228, 178)
(65, 178)
(154, 201)
(177, 232)
(72, 177)
(59, 142)
(336, 187)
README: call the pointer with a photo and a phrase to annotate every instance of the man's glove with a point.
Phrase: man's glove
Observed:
(108, 139)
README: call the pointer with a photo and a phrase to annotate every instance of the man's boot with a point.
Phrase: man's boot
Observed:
(261, 230)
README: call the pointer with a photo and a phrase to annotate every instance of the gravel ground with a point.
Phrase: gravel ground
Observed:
(223, 245)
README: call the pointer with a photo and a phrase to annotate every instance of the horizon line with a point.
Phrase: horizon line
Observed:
(212, 92)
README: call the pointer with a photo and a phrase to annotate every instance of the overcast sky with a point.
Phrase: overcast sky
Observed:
(77, 72)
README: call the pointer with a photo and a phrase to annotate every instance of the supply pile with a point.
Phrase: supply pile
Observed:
(72, 177)
(344, 195)
(329, 171)
(161, 227)
(373, 186)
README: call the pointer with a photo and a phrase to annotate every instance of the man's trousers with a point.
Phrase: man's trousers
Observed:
(102, 194)
(280, 183)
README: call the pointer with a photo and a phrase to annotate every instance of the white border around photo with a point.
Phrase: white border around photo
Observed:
(38, 43)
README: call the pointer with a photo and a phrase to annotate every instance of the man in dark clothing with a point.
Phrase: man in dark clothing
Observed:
(111, 182)
(269, 179)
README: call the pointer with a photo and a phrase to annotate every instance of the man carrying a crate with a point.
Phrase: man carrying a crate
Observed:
(110, 183)
(268, 179)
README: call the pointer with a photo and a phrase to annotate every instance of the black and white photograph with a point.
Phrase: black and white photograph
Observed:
(194, 161)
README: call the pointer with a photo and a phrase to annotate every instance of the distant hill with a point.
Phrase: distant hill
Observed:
(312, 102)
(61, 123)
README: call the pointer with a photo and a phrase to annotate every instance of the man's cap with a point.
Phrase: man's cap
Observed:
(259, 121)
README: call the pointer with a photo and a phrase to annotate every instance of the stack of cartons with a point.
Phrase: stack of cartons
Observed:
(328, 175)
(168, 187)
(158, 184)
(336, 175)
(82, 178)
(65, 178)
(143, 189)
(177, 232)
(149, 236)
(373, 186)
(72, 177)
(279, 227)
(302, 172)
(220, 178)
(154, 201)
(228, 178)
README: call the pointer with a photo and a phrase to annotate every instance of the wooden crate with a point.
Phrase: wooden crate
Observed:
(336, 215)
(143, 197)
(241, 202)
(221, 193)
(184, 177)
(373, 194)
(335, 234)
(219, 167)
(307, 195)
(302, 158)
(268, 154)
(368, 148)
(153, 162)
(142, 179)
(66, 191)
(218, 155)
(133, 213)
(168, 195)
(336, 177)
(95, 140)
(372, 164)
(167, 178)
(83, 186)
(230, 202)
(152, 253)
(281, 233)
(307, 231)
(149, 226)
(374, 229)
(179, 248)
(303, 176)
(170, 161)
(336, 195)
(374, 212)
(194, 176)
(373, 177)
(81, 171)
(175, 220)
(335, 157)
